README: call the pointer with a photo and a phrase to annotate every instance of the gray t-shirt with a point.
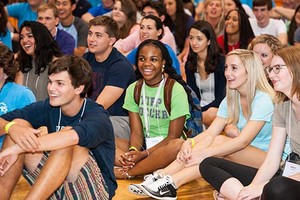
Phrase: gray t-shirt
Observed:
(281, 118)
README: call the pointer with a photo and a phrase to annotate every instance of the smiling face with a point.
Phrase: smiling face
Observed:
(61, 91)
(262, 15)
(65, 9)
(150, 64)
(232, 26)
(235, 73)
(198, 41)
(148, 30)
(282, 81)
(27, 41)
(265, 53)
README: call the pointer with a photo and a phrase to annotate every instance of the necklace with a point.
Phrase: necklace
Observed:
(162, 78)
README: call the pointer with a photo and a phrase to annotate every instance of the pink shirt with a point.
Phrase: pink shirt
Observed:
(133, 40)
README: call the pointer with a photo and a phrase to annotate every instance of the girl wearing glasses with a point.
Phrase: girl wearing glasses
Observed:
(236, 181)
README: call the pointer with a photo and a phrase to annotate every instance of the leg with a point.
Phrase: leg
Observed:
(281, 188)
(220, 174)
(157, 159)
(209, 116)
(122, 146)
(10, 179)
(45, 184)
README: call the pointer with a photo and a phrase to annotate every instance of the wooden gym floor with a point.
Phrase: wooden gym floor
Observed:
(197, 189)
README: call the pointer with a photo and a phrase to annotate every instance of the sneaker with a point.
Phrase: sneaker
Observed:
(163, 188)
(136, 188)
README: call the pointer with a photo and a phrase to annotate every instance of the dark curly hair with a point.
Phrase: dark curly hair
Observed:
(7, 63)
(168, 69)
(45, 48)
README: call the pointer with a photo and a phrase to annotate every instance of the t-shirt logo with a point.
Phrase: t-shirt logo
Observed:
(3, 108)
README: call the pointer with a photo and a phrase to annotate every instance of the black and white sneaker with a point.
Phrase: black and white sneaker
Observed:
(163, 188)
(136, 188)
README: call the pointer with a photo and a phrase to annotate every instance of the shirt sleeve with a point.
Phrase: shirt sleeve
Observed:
(129, 102)
(222, 111)
(262, 107)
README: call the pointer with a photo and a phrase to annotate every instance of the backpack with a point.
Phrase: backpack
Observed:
(193, 125)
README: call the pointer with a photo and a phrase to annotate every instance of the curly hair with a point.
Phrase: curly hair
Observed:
(45, 48)
(168, 69)
(7, 63)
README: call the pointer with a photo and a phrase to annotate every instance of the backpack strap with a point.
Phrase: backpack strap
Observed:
(137, 91)
(168, 93)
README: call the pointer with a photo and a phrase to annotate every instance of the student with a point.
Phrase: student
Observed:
(48, 15)
(248, 105)
(73, 25)
(24, 11)
(204, 69)
(112, 72)
(263, 24)
(236, 181)
(75, 160)
(157, 9)
(5, 33)
(149, 118)
(151, 27)
(37, 50)
(238, 32)
(12, 96)
(104, 7)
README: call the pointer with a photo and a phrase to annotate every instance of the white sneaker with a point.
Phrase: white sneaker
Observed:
(163, 188)
(136, 188)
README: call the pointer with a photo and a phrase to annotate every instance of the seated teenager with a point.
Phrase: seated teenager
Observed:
(248, 105)
(236, 181)
(75, 160)
(149, 118)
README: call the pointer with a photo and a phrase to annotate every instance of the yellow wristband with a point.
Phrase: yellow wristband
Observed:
(193, 142)
(6, 128)
(133, 148)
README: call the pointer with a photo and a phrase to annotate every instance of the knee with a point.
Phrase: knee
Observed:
(275, 189)
(206, 164)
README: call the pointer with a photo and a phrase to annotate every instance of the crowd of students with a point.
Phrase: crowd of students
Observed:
(100, 73)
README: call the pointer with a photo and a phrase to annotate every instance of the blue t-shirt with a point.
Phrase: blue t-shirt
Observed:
(22, 12)
(14, 96)
(262, 110)
(115, 71)
(92, 124)
(99, 10)
(6, 39)
(131, 57)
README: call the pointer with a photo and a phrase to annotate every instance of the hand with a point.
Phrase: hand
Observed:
(8, 157)
(231, 131)
(25, 137)
(251, 191)
(185, 151)
(195, 158)
(131, 158)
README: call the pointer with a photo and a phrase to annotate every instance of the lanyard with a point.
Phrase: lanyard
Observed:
(59, 119)
(145, 110)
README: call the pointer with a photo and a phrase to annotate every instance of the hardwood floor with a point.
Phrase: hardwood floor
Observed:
(198, 189)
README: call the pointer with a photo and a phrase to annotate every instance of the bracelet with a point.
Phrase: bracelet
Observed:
(133, 148)
(6, 128)
(193, 142)
(147, 152)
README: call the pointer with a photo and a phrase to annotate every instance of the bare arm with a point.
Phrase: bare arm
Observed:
(282, 12)
(283, 38)
(137, 135)
(79, 51)
(109, 95)
(87, 17)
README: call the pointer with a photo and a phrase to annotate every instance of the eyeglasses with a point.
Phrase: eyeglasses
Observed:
(276, 68)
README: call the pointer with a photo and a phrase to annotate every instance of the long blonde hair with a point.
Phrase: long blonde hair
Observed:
(220, 26)
(256, 81)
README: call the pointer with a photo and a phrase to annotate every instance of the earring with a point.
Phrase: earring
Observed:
(163, 66)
